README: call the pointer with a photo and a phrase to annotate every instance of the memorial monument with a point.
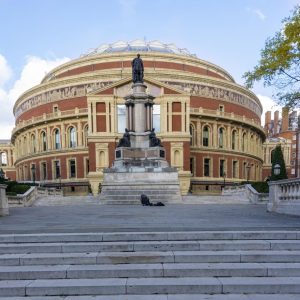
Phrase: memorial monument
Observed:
(140, 166)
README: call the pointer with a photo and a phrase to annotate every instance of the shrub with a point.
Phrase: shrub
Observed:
(16, 188)
(261, 186)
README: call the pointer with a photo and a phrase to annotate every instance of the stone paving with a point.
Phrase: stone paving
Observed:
(176, 217)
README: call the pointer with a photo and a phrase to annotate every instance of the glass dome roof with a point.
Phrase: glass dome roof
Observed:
(138, 46)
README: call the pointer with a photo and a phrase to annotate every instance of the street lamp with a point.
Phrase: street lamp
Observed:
(224, 176)
(248, 167)
(277, 169)
(33, 173)
(2, 174)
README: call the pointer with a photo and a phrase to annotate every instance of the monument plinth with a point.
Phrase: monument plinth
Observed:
(140, 166)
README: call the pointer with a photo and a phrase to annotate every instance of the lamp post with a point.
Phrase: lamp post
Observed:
(2, 174)
(248, 167)
(277, 169)
(33, 173)
(224, 177)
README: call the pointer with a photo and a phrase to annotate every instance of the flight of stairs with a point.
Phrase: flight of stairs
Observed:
(211, 265)
(132, 194)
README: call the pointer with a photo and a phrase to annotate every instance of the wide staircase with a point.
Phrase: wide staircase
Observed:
(132, 194)
(211, 265)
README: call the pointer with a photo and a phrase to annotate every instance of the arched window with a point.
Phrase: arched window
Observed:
(252, 143)
(192, 135)
(57, 143)
(205, 139)
(233, 140)
(244, 142)
(33, 143)
(272, 155)
(25, 145)
(221, 137)
(3, 159)
(85, 135)
(72, 137)
(44, 141)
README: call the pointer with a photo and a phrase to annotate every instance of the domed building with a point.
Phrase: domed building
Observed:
(68, 126)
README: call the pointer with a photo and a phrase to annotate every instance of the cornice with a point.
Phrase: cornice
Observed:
(114, 75)
(128, 56)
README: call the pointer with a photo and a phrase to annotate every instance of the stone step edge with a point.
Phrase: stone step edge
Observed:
(166, 270)
(101, 258)
(162, 297)
(154, 236)
(188, 285)
(145, 246)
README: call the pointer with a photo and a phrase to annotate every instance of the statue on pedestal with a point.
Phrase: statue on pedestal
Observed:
(137, 70)
(125, 140)
(154, 141)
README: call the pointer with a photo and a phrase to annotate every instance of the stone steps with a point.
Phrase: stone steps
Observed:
(150, 236)
(34, 272)
(132, 194)
(164, 297)
(198, 265)
(148, 286)
(139, 246)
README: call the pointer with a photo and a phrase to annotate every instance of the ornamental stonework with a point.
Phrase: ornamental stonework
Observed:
(216, 93)
(59, 94)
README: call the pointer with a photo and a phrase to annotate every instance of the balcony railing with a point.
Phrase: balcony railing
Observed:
(226, 115)
(48, 117)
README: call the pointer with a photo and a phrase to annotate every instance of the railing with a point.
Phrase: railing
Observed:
(285, 196)
(232, 116)
(48, 117)
(28, 198)
(248, 192)
(25, 199)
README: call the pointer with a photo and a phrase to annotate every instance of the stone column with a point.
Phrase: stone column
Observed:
(4, 209)
(9, 162)
(198, 133)
(79, 126)
(63, 136)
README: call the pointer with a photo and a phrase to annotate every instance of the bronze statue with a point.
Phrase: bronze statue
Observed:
(137, 70)
(154, 141)
(125, 140)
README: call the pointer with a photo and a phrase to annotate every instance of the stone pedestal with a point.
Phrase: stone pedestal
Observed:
(141, 167)
(4, 209)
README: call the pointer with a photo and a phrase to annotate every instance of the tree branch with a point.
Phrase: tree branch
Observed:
(290, 76)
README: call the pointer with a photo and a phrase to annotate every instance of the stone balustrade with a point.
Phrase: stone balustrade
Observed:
(246, 191)
(284, 196)
(226, 115)
(4, 209)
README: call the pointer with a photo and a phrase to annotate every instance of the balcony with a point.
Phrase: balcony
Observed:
(226, 116)
(44, 118)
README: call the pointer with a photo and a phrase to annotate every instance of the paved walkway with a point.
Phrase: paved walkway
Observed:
(107, 218)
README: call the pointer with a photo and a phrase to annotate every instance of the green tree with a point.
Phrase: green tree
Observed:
(279, 64)
(277, 158)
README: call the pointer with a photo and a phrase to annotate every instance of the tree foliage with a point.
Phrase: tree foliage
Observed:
(279, 65)
(277, 158)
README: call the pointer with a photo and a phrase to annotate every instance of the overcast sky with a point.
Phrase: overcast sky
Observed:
(37, 35)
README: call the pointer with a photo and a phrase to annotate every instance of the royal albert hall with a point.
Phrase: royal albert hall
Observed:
(68, 126)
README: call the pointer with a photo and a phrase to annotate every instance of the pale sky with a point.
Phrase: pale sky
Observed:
(37, 35)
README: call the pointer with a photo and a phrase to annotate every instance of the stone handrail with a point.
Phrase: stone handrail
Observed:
(226, 115)
(25, 199)
(246, 191)
(4, 209)
(285, 196)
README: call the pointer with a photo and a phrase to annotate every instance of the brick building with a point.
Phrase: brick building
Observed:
(67, 127)
(283, 131)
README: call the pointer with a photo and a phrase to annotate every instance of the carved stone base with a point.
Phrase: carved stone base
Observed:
(127, 187)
